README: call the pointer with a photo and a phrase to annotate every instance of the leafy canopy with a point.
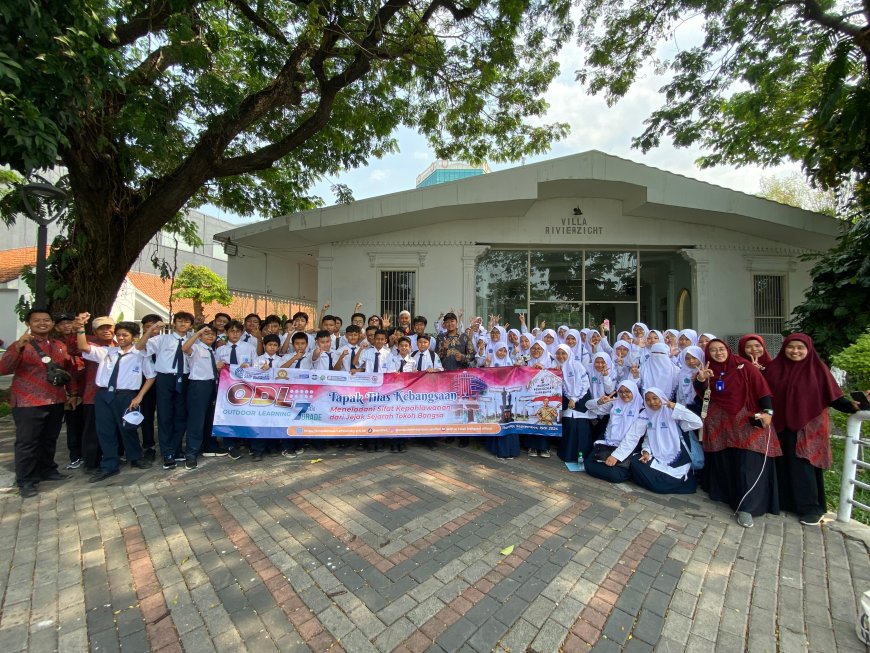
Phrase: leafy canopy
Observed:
(769, 81)
(203, 286)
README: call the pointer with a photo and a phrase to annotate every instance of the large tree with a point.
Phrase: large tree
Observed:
(153, 106)
(768, 81)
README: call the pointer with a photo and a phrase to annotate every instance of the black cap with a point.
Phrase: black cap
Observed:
(450, 316)
(64, 317)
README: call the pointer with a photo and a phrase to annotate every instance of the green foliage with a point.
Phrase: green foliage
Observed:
(768, 81)
(855, 361)
(203, 286)
(835, 311)
(794, 190)
(157, 107)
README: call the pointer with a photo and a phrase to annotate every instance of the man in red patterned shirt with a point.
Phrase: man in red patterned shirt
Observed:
(37, 406)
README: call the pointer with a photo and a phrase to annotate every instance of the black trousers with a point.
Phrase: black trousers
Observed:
(148, 408)
(109, 409)
(36, 431)
(75, 425)
(90, 442)
(201, 397)
(171, 414)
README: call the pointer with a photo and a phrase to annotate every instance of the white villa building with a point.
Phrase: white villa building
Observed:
(573, 240)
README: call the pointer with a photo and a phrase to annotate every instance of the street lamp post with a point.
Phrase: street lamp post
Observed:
(44, 203)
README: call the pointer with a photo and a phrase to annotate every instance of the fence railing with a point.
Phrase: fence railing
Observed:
(852, 460)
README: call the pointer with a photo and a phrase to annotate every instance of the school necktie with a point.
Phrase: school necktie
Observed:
(352, 354)
(377, 360)
(234, 360)
(420, 362)
(113, 378)
(402, 366)
(270, 363)
(329, 357)
(298, 363)
(214, 368)
(179, 366)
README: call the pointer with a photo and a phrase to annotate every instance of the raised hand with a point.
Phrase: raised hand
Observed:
(704, 372)
(522, 318)
(671, 404)
(387, 320)
(357, 307)
(81, 320)
(24, 339)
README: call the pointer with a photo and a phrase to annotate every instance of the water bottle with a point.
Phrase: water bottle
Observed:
(580, 462)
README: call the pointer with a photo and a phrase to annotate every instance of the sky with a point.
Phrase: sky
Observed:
(593, 126)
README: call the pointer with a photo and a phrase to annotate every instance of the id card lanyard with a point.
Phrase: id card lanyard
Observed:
(720, 382)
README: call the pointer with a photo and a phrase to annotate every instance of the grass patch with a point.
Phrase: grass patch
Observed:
(834, 476)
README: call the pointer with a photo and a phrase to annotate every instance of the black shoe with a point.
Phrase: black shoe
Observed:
(141, 464)
(402, 447)
(169, 463)
(431, 445)
(811, 519)
(190, 463)
(150, 455)
(394, 448)
(103, 475)
(377, 448)
(234, 453)
(27, 490)
(55, 476)
(256, 457)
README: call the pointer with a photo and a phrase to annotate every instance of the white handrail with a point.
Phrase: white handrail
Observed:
(850, 466)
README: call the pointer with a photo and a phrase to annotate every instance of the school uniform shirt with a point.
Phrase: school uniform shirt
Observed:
(347, 361)
(385, 360)
(406, 364)
(89, 389)
(245, 353)
(303, 363)
(107, 358)
(249, 338)
(199, 360)
(309, 347)
(275, 361)
(164, 347)
(424, 360)
(322, 362)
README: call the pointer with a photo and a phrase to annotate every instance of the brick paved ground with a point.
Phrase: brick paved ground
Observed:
(386, 552)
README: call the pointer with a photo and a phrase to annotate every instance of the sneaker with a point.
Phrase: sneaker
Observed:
(180, 459)
(744, 519)
(234, 453)
(256, 457)
(218, 453)
(27, 490)
(169, 463)
(545, 454)
(75, 464)
(149, 455)
(190, 463)
(288, 454)
(140, 464)
(102, 475)
(299, 451)
(533, 453)
(812, 519)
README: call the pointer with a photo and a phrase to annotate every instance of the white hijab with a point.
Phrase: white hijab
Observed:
(577, 351)
(575, 382)
(551, 349)
(495, 361)
(662, 432)
(624, 370)
(624, 414)
(685, 388)
(691, 334)
(596, 380)
(658, 371)
(544, 360)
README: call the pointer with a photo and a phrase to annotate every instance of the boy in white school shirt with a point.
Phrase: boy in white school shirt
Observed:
(299, 358)
(322, 356)
(235, 352)
(298, 324)
(402, 359)
(377, 358)
(345, 356)
(425, 358)
(201, 395)
(172, 369)
(270, 359)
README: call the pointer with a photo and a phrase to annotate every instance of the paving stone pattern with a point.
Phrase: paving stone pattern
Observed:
(397, 553)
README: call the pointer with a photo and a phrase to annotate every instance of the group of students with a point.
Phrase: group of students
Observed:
(654, 406)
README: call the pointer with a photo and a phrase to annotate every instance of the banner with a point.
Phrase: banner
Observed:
(315, 404)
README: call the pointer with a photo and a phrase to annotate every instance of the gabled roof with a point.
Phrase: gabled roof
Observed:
(645, 192)
(13, 261)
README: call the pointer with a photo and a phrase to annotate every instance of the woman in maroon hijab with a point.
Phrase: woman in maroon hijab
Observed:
(803, 389)
(738, 442)
(752, 348)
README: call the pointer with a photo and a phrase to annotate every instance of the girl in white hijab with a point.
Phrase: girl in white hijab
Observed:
(704, 338)
(513, 337)
(550, 340)
(497, 337)
(610, 455)
(601, 377)
(575, 392)
(561, 332)
(539, 356)
(598, 344)
(671, 336)
(691, 359)
(687, 338)
(524, 350)
(500, 357)
(664, 466)
(658, 371)
(573, 340)
(622, 361)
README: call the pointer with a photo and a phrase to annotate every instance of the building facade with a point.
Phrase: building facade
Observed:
(574, 240)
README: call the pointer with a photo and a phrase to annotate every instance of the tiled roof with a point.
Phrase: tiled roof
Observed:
(159, 290)
(13, 260)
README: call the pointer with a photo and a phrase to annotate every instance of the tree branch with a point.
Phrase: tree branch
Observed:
(151, 19)
(265, 25)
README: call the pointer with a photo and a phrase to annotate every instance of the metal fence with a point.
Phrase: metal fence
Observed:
(852, 461)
